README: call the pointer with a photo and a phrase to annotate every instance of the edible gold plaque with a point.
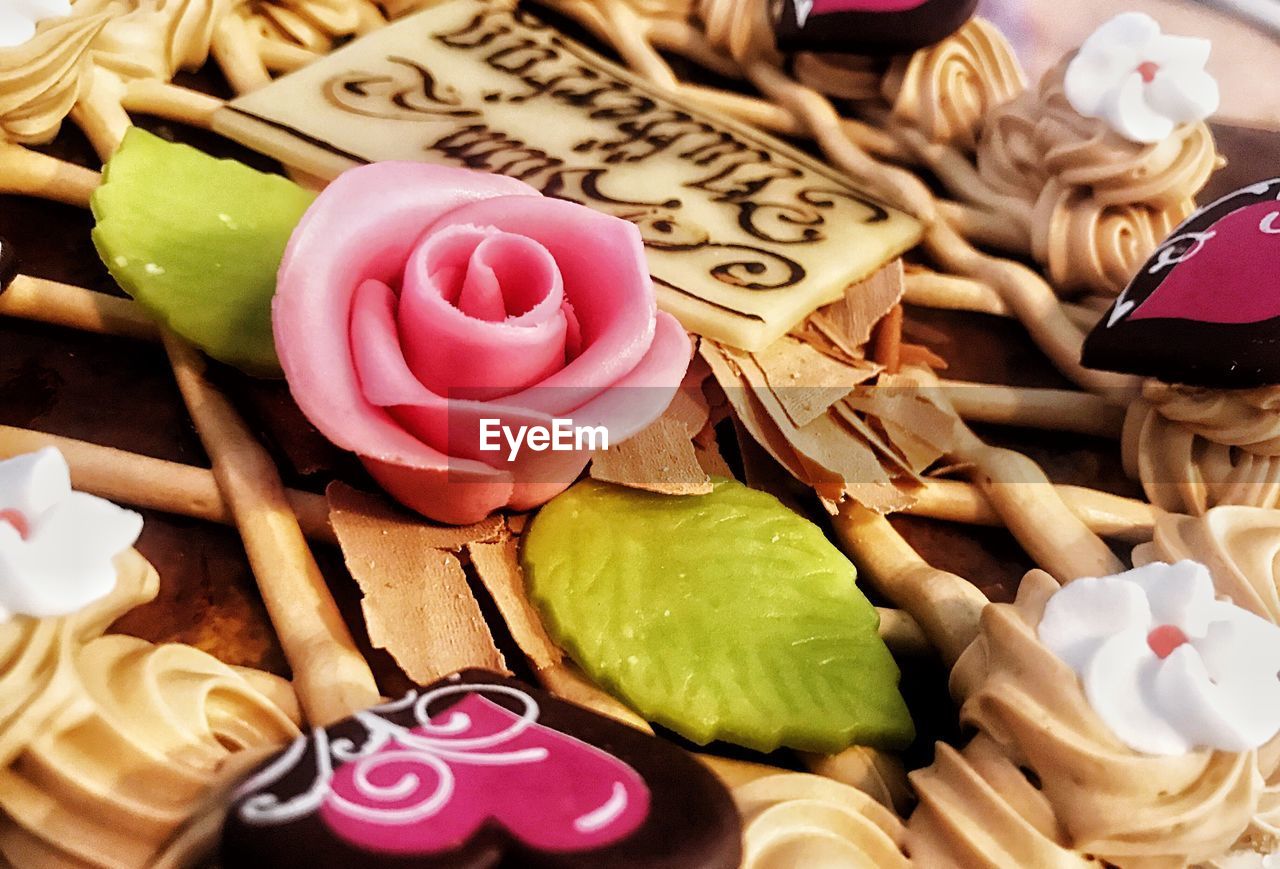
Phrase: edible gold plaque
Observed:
(745, 235)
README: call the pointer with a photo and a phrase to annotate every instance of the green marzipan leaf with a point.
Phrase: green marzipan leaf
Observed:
(197, 241)
(720, 616)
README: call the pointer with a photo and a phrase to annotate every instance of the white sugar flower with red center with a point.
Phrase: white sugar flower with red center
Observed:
(56, 545)
(1143, 83)
(1165, 665)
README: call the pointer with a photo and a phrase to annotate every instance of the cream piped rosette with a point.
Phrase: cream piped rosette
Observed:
(107, 743)
(800, 819)
(41, 79)
(1194, 448)
(1099, 203)
(1084, 792)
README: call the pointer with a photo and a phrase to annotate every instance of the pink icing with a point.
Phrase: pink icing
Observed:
(416, 300)
(1231, 279)
(551, 791)
(824, 7)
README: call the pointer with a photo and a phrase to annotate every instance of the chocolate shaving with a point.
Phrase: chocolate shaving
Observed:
(659, 459)
(849, 322)
(417, 604)
(887, 343)
(807, 382)
(498, 566)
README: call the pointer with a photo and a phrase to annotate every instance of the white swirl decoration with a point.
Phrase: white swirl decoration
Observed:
(1143, 83)
(1167, 666)
(428, 743)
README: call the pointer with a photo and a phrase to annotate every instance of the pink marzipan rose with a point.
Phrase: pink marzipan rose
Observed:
(415, 301)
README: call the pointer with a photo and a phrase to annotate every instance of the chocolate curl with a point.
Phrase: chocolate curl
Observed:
(29, 173)
(417, 604)
(332, 678)
(155, 484)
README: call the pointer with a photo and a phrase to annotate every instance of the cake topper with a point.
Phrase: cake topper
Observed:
(479, 769)
(1142, 82)
(56, 545)
(1167, 666)
(1204, 310)
(868, 26)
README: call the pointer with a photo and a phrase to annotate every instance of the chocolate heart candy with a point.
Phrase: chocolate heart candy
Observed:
(868, 26)
(481, 770)
(1205, 308)
(8, 264)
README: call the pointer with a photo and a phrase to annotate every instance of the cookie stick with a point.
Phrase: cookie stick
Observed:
(332, 678)
(930, 289)
(156, 484)
(1122, 519)
(1052, 409)
(29, 173)
(1052, 534)
(149, 96)
(946, 606)
(61, 304)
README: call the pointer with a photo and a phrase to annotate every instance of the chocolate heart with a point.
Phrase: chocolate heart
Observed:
(1205, 308)
(868, 26)
(480, 770)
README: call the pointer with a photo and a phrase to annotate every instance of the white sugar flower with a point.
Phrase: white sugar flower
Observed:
(56, 545)
(1164, 664)
(1140, 81)
(18, 18)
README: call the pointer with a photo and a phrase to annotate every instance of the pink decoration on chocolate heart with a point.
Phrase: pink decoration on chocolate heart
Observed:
(1233, 278)
(825, 7)
(432, 788)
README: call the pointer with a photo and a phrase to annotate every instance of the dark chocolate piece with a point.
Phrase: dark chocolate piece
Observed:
(1204, 310)
(868, 26)
(481, 770)
(8, 264)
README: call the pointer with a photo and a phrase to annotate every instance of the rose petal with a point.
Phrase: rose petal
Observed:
(506, 331)
(363, 225)
(1081, 617)
(606, 280)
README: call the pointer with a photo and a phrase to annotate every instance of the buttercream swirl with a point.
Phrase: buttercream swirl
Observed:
(1194, 448)
(311, 24)
(107, 743)
(947, 90)
(41, 79)
(1086, 793)
(153, 40)
(1241, 548)
(1100, 203)
(799, 819)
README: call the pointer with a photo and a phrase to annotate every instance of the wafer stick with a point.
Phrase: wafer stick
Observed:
(945, 606)
(929, 289)
(99, 113)
(29, 173)
(332, 678)
(155, 484)
(282, 57)
(1052, 409)
(29, 298)
(1122, 519)
(1052, 534)
(149, 96)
